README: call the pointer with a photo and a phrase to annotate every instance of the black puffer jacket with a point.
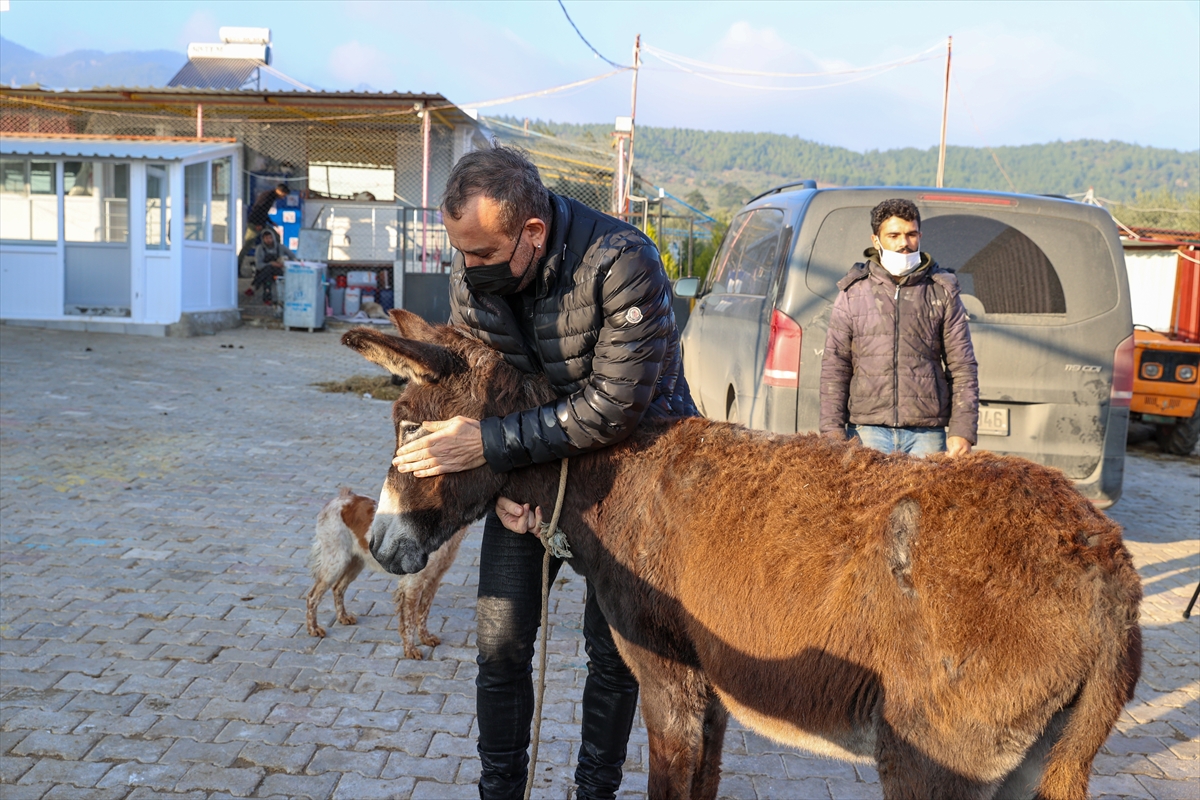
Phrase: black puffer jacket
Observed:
(603, 333)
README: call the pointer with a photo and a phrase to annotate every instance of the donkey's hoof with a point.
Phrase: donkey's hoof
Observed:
(413, 653)
(347, 619)
(316, 630)
(429, 639)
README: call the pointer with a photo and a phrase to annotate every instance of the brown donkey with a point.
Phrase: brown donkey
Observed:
(969, 625)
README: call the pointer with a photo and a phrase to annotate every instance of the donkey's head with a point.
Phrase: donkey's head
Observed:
(447, 373)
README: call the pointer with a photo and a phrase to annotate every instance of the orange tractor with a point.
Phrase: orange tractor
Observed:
(1166, 384)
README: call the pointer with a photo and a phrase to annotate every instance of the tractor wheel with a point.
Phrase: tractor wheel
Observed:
(1180, 439)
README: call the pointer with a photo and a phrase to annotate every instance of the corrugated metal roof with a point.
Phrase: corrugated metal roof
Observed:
(91, 147)
(214, 73)
(101, 93)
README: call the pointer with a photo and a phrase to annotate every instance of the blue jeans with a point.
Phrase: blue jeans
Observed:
(914, 441)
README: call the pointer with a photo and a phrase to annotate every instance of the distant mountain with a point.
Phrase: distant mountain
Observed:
(682, 160)
(85, 69)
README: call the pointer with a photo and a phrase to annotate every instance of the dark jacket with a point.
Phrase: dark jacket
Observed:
(899, 354)
(602, 330)
(260, 213)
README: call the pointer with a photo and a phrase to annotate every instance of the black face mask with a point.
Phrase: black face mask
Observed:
(496, 278)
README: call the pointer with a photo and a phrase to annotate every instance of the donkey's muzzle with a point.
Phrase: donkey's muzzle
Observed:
(397, 552)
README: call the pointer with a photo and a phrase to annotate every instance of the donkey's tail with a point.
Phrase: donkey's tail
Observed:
(1107, 688)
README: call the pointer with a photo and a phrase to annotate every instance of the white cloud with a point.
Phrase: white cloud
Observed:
(354, 63)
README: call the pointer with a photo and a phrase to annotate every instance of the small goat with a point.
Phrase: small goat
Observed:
(341, 548)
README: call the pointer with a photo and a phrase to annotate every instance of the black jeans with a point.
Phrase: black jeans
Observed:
(508, 616)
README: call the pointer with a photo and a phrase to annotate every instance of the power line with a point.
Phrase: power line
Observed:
(585, 41)
(717, 68)
(861, 74)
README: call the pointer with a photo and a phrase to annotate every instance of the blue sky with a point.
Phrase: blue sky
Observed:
(1024, 72)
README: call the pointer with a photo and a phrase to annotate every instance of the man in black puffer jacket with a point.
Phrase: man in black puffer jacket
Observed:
(582, 298)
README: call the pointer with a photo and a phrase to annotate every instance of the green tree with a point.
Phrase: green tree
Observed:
(732, 195)
(695, 198)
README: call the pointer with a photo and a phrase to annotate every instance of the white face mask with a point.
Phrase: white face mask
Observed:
(899, 263)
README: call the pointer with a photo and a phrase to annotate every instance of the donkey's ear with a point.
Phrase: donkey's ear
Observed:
(411, 326)
(421, 362)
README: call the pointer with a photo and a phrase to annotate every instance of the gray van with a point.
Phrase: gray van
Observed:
(1043, 281)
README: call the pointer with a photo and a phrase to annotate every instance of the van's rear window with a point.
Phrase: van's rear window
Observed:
(1008, 262)
(995, 262)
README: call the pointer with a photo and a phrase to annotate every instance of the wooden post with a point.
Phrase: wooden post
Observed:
(424, 188)
(199, 121)
(691, 239)
(941, 172)
(637, 61)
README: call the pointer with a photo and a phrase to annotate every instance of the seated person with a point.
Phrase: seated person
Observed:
(268, 257)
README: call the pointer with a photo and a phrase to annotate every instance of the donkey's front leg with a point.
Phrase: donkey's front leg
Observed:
(676, 703)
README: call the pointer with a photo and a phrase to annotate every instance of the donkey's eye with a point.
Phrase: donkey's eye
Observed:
(409, 429)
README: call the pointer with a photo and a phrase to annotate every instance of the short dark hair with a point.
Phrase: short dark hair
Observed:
(896, 207)
(505, 175)
(283, 186)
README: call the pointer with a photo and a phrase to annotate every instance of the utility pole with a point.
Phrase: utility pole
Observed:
(637, 63)
(941, 173)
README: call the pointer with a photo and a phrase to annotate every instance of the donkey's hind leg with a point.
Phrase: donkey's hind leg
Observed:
(708, 765)
(676, 705)
(906, 773)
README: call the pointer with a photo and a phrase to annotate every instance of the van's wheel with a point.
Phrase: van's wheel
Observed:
(1180, 439)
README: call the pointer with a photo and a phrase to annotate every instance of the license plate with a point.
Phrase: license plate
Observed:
(993, 421)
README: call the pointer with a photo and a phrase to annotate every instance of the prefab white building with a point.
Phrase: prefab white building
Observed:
(119, 234)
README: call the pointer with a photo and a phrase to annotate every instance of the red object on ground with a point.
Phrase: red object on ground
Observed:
(341, 282)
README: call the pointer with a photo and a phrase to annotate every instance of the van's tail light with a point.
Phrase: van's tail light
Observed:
(1122, 385)
(783, 352)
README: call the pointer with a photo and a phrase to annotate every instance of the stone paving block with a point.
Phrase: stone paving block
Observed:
(807, 788)
(1163, 789)
(52, 721)
(64, 792)
(171, 727)
(112, 704)
(76, 773)
(55, 745)
(432, 790)
(13, 767)
(237, 731)
(286, 712)
(298, 787)
(441, 769)
(414, 743)
(207, 777)
(418, 702)
(189, 750)
(444, 744)
(456, 724)
(329, 759)
(353, 786)
(33, 791)
(119, 748)
(343, 738)
(844, 789)
(277, 758)
(384, 720)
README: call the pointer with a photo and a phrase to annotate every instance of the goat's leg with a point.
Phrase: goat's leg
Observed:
(406, 597)
(708, 766)
(339, 591)
(313, 599)
(424, 603)
(439, 563)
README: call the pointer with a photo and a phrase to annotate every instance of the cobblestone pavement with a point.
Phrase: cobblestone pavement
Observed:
(158, 502)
